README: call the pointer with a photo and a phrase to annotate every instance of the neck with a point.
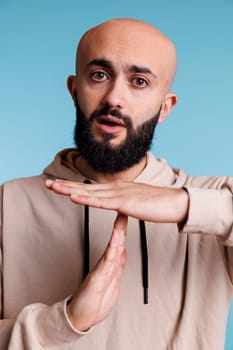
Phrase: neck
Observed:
(126, 175)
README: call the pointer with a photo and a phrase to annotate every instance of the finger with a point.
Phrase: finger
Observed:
(117, 241)
(122, 263)
(79, 193)
(115, 249)
(79, 185)
(121, 222)
(73, 189)
(57, 186)
(109, 203)
(60, 189)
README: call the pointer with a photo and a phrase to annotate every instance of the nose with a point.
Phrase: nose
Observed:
(115, 94)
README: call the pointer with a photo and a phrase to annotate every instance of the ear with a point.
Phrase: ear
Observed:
(72, 87)
(168, 104)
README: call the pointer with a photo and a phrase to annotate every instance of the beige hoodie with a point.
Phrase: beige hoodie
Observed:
(190, 272)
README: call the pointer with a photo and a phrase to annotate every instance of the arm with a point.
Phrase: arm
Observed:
(141, 201)
(205, 206)
(211, 212)
(39, 325)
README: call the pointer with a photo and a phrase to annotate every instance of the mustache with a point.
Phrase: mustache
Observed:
(114, 112)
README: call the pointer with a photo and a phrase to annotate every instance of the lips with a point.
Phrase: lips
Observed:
(109, 124)
(110, 121)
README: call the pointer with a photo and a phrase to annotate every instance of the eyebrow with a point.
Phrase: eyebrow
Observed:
(138, 69)
(102, 62)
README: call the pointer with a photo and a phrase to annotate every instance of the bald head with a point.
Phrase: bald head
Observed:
(137, 40)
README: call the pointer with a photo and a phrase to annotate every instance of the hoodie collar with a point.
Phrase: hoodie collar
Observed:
(156, 171)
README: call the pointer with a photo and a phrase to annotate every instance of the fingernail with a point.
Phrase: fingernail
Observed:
(49, 182)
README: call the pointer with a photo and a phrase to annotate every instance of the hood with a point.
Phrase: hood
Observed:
(63, 166)
(157, 171)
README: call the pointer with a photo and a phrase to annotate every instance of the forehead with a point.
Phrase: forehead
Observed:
(122, 46)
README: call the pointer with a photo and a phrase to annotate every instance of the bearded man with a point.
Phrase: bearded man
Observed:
(66, 282)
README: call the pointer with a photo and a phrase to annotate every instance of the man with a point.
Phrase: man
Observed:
(61, 288)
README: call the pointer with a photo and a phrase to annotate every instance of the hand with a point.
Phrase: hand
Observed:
(142, 201)
(98, 293)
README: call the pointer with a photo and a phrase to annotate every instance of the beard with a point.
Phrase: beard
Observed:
(104, 157)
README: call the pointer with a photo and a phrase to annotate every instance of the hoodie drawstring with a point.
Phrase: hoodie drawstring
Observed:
(86, 265)
(144, 251)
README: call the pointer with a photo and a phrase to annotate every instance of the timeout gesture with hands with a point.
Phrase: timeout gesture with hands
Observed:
(142, 201)
(98, 293)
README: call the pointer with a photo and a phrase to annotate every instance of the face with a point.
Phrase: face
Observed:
(120, 84)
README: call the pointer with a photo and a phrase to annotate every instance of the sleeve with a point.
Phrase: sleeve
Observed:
(211, 212)
(5, 325)
(38, 326)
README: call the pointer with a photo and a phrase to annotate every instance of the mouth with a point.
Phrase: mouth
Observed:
(110, 124)
(110, 120)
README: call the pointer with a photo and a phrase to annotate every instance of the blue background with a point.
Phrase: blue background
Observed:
(37, 47)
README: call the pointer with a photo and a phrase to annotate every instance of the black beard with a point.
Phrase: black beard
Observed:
(108, 159)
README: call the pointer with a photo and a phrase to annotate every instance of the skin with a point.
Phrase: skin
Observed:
(128, 65)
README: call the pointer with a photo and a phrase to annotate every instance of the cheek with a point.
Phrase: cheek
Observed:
(87, 101)
(143, 115)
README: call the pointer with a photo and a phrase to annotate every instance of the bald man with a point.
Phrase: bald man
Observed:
(67, 282)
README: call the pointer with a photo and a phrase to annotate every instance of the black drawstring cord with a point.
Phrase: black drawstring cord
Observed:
(86, 264)
(144, 260)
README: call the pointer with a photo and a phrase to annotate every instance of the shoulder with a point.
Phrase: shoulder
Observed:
(209, 182)
(17, 189)
(24, 182)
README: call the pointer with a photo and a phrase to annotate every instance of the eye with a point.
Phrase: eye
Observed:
(99, 76)
(140, 82)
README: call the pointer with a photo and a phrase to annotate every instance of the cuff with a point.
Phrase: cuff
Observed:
(210, 212)
(69, 322)
(48, 325)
